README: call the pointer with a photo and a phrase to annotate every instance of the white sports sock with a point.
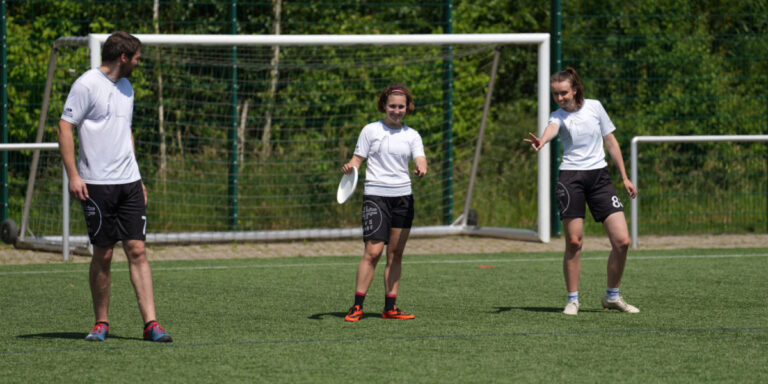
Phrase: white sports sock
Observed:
(612, 293)
(573, 296)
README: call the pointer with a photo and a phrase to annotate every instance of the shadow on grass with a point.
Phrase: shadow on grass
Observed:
(70, 336)
(320, 316)
(538, 309)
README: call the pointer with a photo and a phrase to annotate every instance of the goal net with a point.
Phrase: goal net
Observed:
(243, 137)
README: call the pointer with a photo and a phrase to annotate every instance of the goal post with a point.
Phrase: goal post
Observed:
(540, 39)
(236, 56)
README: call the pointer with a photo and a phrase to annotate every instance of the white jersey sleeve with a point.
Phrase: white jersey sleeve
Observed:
(417, 146)
(363, 146)
(606, 125)
(77, 105)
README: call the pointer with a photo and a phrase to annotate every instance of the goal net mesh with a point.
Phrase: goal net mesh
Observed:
(253, 138)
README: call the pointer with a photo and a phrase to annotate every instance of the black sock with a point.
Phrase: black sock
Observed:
(359, 299)
(389, 302)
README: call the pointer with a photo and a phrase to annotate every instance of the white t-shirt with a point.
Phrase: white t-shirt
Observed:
(581, 133)
(388, 152)
(102, 111)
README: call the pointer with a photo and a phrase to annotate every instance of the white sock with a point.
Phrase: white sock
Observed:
(612, 293)
(573, 296)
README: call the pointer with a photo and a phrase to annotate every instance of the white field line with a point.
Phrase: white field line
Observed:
(468, 261)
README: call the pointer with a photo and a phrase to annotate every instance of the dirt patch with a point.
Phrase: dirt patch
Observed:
(443, 245)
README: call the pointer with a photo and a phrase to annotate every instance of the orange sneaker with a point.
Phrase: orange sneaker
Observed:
(396, 313)
(355, 314)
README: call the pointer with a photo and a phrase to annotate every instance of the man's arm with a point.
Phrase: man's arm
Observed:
(143, 188)
(67, 148)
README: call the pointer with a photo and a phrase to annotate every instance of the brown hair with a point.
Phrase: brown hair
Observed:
(117, 44)
(571, 75)
(399, 89)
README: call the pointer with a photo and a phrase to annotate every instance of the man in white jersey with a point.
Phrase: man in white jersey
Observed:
(106, 178)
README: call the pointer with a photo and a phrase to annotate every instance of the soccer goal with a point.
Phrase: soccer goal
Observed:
(243, 137)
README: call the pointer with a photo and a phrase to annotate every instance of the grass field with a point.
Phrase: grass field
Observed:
(704, 319)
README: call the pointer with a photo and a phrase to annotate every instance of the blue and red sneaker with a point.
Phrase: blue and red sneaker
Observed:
(154, 332)
(99, 332)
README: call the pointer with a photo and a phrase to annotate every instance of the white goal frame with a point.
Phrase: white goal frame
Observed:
(673, 139)
(460, 226)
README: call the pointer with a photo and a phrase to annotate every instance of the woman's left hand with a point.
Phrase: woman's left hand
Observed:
(630, 188)
(421, 166)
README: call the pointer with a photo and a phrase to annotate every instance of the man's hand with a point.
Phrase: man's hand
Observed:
(77, 188)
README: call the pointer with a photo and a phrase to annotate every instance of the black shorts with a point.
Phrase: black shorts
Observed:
(114, 213)
(593, 187)
(382, 213)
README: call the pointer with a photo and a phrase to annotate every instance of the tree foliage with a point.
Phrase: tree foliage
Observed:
(660, 67)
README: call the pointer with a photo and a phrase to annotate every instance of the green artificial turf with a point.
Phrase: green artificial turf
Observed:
(480, 318)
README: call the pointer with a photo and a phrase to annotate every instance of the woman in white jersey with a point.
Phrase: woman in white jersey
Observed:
(584, 127)
(387, 213)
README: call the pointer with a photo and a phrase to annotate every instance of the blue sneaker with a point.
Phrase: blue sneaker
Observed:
(154, 332)
(99, 332)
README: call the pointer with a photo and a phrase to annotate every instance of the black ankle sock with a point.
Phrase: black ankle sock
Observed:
(103, 322)
(389, 303)
(359, 299)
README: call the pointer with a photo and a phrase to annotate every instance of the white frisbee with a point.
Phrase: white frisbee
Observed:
(347, 186)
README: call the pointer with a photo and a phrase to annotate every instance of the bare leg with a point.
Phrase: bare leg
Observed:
(574, 238)
(616, 227)
(100, 278)
(141, 277)
(394, 268)
(367, 266)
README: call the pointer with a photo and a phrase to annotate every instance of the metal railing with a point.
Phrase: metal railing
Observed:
(673, 139)
(37, 147)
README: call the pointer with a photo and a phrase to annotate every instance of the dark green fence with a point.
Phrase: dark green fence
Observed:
(659, 67)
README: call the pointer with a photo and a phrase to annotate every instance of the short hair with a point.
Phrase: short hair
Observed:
(117, 44)
(571, 75)
(399, 89)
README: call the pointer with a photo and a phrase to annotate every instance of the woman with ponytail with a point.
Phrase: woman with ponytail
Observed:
(584, 128)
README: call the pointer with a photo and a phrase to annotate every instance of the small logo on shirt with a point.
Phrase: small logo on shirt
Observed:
(67, 112)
